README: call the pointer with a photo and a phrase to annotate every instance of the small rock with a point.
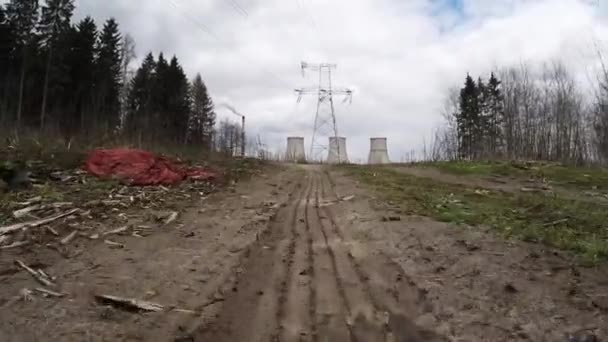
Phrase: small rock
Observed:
(510, 288)
(304, 272)
(582, 336)
(391, 218)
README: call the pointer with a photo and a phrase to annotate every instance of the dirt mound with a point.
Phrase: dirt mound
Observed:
(138, 167)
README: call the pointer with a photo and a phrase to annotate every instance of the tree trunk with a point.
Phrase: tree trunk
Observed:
(21, 86)
(45, 90)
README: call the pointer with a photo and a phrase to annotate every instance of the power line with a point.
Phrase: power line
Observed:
(237, 7)
(210, 32)
(313, 23)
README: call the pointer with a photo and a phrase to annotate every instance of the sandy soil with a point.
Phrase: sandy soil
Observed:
(313, 264)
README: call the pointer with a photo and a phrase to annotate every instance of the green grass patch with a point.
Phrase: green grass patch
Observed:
(578, 226)
(587, 178)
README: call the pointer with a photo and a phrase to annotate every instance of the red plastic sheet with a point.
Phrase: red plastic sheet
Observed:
(138, 167)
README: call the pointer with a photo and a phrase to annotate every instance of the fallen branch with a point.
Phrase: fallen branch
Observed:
(113, 244)
(556, 222)
(32, 224)
(116, 231)
(52, 231)
(49, 292)
(23, 212)
(129, 304)
(35, 274)
(15, 244)
(31, 201)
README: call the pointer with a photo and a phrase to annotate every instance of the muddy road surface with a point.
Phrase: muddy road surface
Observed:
(304, 253)
(304, 283)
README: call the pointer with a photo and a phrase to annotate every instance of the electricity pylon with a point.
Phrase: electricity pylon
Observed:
(325, 124)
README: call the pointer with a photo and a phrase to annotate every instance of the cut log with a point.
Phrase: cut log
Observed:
(129, 304)
(32, 224)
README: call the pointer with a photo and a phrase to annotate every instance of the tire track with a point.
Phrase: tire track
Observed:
(351, 282)
(331, 310)
(251, 310)
(295, 295)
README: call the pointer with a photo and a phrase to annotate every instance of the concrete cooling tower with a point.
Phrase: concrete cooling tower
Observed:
(337, 151)
(295, 150)
(378, 152)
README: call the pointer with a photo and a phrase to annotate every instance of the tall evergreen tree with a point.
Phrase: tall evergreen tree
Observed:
(7, 45)
(178, 111)
(468, 118)
(202, 118)
(140, 99)
(495, 110)
(22, 16)
(54, 25)
(107, 78)
(82, 62)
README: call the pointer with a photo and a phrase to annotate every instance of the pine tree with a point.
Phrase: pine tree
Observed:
(7, 46)
(140, 100)
(54, 22)
(496, 114)
(178, 102)
(468, 118)
(108, 75)
(483, 126)
(82, 62)
(203, 114)
(22, 16)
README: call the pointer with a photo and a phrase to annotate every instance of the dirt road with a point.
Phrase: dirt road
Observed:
(305, 254)
(303, 282)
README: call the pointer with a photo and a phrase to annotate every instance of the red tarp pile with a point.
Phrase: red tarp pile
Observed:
(138, 167)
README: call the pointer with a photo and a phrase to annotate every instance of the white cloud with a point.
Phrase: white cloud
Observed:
(400, 56)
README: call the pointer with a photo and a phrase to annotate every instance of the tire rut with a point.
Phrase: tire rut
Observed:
(251, 311)
(302, 283)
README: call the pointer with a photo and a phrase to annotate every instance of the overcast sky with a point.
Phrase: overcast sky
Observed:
(400, 56)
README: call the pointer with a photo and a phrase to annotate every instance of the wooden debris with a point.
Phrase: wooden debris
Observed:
(556, 222)
(68, 238)
(129, 304)
(15, 244)
(116, 231)
(43, 280)
(31, 201)
(3, 238)
(524, 189)
(348, 198)
(52, 231)
(25, 294)
(37, 223)
(94, 236)
(114, 244)
(49, 293)
(172, 217)
(23, 212)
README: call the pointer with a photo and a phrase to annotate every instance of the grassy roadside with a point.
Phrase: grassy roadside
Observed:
(581, 227)
(589, 178)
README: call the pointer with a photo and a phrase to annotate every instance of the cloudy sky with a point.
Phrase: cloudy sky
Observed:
(400, 56)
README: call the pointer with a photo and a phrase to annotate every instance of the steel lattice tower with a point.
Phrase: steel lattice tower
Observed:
(325, 124)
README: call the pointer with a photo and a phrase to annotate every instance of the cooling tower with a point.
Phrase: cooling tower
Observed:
(295, 150)
(378, 153)
(337, 151)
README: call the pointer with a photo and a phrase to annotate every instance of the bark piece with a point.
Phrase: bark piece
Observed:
(129, 304)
